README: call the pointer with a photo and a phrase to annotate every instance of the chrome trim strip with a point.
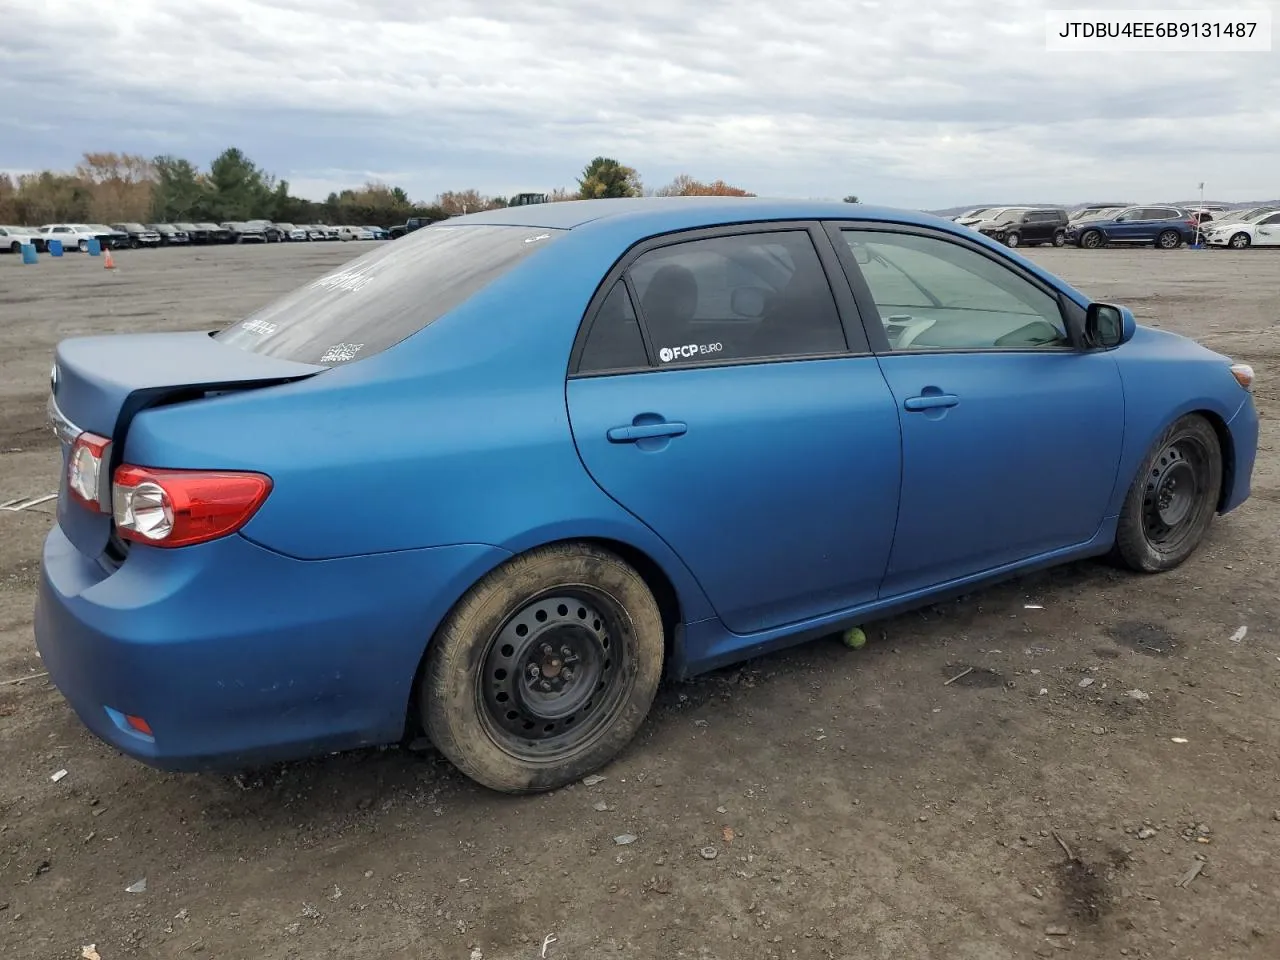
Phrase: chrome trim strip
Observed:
(63, 429)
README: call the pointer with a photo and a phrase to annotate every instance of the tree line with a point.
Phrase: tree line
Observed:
(123, 188)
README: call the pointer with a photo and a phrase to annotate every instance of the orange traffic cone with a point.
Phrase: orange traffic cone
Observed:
(108, 263)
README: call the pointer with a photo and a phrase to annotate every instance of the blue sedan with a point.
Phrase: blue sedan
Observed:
(492, 481)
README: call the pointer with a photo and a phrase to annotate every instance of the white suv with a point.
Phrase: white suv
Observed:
(74, 236)
(12, 238)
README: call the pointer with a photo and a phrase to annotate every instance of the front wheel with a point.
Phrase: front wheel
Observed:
(83, 246)
(1091, 239)
(1012, 238)
(1173, 498)
(545, 670)
(1169, 240)
(15, 247)
(1239, 241)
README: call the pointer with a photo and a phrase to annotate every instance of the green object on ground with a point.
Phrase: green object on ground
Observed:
(854, 638)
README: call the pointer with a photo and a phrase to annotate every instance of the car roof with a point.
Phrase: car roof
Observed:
(650, 215)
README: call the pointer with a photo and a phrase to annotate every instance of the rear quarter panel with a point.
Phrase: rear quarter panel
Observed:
(458, 435)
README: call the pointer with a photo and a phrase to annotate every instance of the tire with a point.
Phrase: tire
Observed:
(1091, 240)
(480, 697)
(15, 247)
(1239, 241)
(1060, 238)
(133, 244)
(83, 246)
(1012, 238)
(1169, 240)
(1151, 538)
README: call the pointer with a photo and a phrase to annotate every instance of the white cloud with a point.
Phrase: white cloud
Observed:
(904, 103)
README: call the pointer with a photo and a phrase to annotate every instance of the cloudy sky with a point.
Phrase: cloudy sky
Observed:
(921, 103)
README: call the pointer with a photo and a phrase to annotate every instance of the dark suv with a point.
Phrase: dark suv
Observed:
(1162, 226)
(1028, 227)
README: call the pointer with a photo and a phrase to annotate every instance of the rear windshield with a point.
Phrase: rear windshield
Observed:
(379, 299)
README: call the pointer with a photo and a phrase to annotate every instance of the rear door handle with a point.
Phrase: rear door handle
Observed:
(931, 401)
(633, 432)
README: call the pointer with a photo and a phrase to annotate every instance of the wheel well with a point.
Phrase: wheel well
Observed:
(1227, 446)
(664, 592)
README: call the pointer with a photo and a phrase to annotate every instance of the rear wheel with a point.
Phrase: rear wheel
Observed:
(1060, 238)
(1169, 240)
(1240, 241)
(1173, 498)
(83, 245)
(545, 670)
(1091, 239)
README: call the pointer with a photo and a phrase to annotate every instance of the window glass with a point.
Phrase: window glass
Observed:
(1273, 219)
(934, 294)
(614, 341)
(744, 297)
(390, 293)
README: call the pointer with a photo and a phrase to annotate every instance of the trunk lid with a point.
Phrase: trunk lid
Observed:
(100, 383)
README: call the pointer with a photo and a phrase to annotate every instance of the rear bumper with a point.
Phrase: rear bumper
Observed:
(237, 656)
(1244, 441)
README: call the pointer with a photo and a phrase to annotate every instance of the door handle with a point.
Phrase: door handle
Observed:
(643, 431)
(931, 401)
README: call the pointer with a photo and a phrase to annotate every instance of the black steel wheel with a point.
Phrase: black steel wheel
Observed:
(1091, 239)
(1173, 499)
(550, 677)
(544, 670)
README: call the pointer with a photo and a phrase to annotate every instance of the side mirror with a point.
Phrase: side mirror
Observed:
(860, 253)
(1107, 326)
(747, 302)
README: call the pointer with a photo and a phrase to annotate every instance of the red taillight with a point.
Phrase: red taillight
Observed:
(84, 469)
(176, 508)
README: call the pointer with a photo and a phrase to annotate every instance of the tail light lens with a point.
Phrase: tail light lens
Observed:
(177, 508)
(84, 469)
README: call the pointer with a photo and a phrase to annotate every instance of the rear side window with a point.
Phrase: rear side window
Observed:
(379, 299)
(751, 296)
(614, 341)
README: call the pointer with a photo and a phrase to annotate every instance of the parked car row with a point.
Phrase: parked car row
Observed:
(117, 236)
(1164, 226)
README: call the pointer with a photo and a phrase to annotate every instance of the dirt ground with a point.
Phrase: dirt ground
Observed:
(824, 803)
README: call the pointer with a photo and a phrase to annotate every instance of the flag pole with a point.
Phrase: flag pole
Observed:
(1200, 215)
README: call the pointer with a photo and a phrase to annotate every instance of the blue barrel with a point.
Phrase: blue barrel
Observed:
(95, 247)
(29, 254)
(54, 247)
